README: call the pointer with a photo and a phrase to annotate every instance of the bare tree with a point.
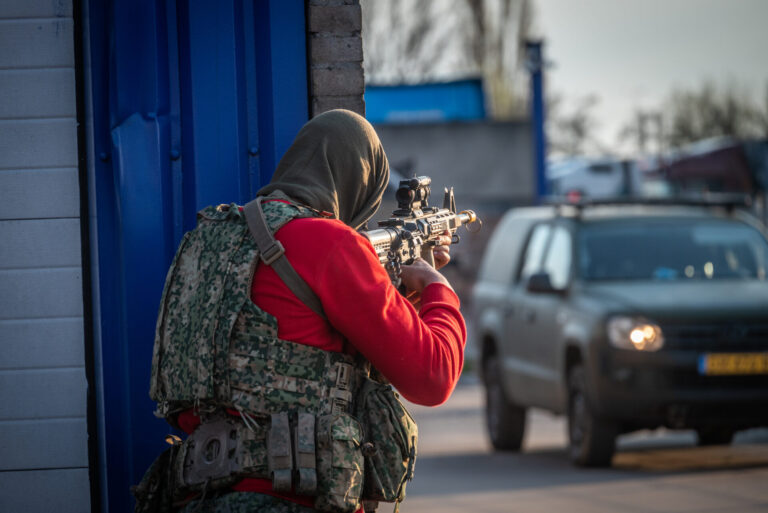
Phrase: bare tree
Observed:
(761, 117)
(418, 41)
(506, 82)
(690, 115)
(646, 131)
(571, 128)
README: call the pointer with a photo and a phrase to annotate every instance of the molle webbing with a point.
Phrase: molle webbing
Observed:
(269, 376)
(280, 446)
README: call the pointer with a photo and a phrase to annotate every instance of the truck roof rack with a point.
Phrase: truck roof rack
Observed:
(725, 200)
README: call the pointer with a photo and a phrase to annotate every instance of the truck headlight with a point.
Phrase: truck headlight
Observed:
(634, 333)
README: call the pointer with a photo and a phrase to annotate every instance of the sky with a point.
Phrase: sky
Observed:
(632, 53)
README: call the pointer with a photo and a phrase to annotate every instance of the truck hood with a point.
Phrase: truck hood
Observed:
(707, 300)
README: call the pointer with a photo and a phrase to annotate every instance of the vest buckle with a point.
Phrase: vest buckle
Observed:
(272, 253)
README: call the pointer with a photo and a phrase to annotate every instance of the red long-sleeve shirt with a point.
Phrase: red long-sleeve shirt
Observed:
(421, 353)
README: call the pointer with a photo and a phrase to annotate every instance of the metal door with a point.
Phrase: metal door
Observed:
(189, 103)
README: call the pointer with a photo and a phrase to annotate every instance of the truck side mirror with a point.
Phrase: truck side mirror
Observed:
(540, 283)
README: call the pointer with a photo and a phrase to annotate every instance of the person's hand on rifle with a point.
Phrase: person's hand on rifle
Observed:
(419, 274)
(442, 252)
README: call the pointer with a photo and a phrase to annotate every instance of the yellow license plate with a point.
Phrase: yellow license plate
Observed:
(713, 364)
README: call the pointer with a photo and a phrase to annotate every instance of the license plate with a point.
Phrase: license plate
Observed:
(713, 364)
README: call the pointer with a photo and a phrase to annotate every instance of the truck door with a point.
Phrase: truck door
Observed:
(519, 344)
(543, 314)
(533, 325)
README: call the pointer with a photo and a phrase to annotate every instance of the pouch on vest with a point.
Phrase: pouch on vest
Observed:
(154, 494)
(339, 463)
(389, 444)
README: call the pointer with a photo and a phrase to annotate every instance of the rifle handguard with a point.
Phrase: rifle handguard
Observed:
(414, 228)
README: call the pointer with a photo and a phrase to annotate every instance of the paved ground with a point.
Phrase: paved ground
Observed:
(653, 472)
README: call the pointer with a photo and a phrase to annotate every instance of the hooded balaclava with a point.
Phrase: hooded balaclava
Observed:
(336, 164)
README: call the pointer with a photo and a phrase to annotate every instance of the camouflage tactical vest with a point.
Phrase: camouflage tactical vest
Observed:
(300, 407)
(213, 345)
(216, 350)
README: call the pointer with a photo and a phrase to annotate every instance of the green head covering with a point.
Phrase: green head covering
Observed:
(335, 164)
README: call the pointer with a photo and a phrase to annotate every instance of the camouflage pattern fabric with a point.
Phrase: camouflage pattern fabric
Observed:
(155, 490)
(339, 463)
(213, 346)
(267, 375)
(391, 436)
(244, 502)
(214, 349)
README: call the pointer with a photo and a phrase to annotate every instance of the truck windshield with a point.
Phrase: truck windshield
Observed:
(671, 249)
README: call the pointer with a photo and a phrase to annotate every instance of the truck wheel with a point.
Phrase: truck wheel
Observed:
(592, 441)
(714, 436)
(505, 421)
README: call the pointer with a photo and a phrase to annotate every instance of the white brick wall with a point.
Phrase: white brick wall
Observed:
(43, 435)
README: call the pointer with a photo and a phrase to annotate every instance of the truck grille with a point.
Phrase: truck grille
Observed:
(690, 379)
(717, 337)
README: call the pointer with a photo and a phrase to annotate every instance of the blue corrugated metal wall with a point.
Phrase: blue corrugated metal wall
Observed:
(192, 103)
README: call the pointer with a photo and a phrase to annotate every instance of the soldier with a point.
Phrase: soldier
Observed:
(274, 321)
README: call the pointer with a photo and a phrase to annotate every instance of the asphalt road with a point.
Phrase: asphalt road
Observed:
(659, 471)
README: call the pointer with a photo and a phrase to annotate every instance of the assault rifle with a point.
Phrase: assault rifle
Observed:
(415, 228)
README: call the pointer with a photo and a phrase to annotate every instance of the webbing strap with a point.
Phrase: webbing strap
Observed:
(305, 460)
(273, 254)
(280, 453)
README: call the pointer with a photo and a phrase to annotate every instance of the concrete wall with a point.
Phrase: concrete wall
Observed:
(486, 162)
(43, 435)
(335, 55)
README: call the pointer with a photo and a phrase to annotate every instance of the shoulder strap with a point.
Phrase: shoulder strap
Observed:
(273, 254)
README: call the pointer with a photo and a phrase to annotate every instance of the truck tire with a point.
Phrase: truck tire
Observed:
(714, 436)
(505, 421)
(592, 441)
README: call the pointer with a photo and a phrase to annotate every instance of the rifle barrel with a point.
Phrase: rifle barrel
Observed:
(467, 216)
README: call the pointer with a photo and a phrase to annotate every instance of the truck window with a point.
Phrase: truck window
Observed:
(558, 260)
(672, 249)
(534, 251)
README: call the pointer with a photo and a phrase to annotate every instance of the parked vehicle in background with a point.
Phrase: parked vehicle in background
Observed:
(605, 177)
(720, 165)
(624, 316)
